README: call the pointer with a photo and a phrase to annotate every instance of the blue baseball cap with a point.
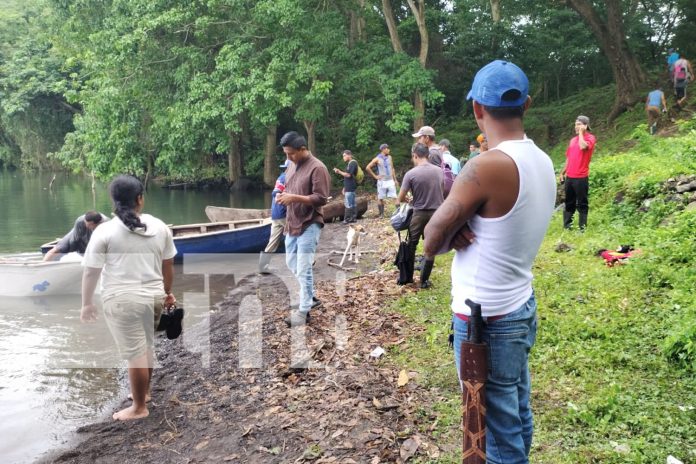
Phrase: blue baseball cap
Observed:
(499, 84)
(285, 164)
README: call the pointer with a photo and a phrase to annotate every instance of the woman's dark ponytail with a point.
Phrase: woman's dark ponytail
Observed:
(125, 191)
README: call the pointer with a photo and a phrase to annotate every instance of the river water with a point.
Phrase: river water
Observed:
(46, 388)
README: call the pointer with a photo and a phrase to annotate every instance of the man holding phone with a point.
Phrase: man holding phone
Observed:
(576, 173)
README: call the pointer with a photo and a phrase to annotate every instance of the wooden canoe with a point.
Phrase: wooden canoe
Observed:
(247, 236)
(333, 211)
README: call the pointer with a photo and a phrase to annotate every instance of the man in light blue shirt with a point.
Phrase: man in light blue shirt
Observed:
(655, 101)
(672, 58)
(448, 158)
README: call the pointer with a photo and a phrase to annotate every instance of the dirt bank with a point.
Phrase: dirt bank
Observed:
(345, 407)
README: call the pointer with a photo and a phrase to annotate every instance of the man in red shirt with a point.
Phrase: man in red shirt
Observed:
(576, 173)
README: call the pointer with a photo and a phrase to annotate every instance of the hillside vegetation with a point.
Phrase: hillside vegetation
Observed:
(614, 366)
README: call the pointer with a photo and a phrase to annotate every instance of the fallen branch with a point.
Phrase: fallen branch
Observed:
(338, 266)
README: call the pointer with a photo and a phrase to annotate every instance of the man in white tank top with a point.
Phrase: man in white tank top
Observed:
(495, 218)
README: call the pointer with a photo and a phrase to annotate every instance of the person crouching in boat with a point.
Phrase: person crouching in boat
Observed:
(134, 255)
(78, 237)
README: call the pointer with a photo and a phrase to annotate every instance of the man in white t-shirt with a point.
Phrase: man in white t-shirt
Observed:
(496, 217)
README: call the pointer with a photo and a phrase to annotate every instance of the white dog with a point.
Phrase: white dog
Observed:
(353, 236)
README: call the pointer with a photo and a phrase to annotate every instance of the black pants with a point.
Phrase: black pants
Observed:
(419, 220)
(576, 191)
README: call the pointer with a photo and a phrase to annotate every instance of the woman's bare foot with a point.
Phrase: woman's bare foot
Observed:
(130, 413)
(148, 398)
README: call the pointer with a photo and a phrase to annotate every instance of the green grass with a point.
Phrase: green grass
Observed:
(614, 367)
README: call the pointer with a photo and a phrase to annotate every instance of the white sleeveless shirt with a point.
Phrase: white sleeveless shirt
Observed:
(496, 269)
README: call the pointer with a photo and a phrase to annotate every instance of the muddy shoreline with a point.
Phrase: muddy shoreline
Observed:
(337, 404)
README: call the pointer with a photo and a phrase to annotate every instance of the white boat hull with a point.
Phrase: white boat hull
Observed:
(20, 277)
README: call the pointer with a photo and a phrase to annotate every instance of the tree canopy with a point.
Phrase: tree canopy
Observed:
(202, 88)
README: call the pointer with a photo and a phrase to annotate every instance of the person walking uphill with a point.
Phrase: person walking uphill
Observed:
(495, 218)
(682, 74)
(653, 104)
(306, 191)
(426, 183)
(385, 177)
(350, 185)
(278, 213)
(134, 255)
(576, 173)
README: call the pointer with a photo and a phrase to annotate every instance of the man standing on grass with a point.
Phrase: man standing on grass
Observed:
(496, 217)
(426, 183)
(306, 191)
(576, 173)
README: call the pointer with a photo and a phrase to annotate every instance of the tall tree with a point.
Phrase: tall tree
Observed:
(419, 14)
(418, 10)
(611, 37)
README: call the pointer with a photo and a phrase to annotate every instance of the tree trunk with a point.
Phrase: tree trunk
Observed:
(357, 24)
(270, 168)
(419, 107)
(311, 139)
(391, 26)
(234, 159)
(611, 37)
(495, 10)
(361, 26)
(497, 31)
(419, 14)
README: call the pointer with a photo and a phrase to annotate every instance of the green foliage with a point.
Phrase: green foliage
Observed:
(33, 114)
(169, 87)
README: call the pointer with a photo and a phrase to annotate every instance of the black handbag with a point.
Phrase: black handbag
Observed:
(404, 262)
(171, 320)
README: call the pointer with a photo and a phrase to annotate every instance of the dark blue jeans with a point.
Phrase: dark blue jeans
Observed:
(509, 424)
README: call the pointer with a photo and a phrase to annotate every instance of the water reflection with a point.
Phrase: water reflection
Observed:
(34, 214)
(42, 394)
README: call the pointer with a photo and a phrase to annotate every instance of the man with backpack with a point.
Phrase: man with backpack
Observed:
(350, 185)
(448, 158)
(683, 73)
(425, 182)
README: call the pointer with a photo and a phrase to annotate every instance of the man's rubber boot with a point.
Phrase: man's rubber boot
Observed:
(348, 216)
(567, 219)
(425, 274)
(264, 261)
(582, 221)
(381, 210)
(354, 214)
